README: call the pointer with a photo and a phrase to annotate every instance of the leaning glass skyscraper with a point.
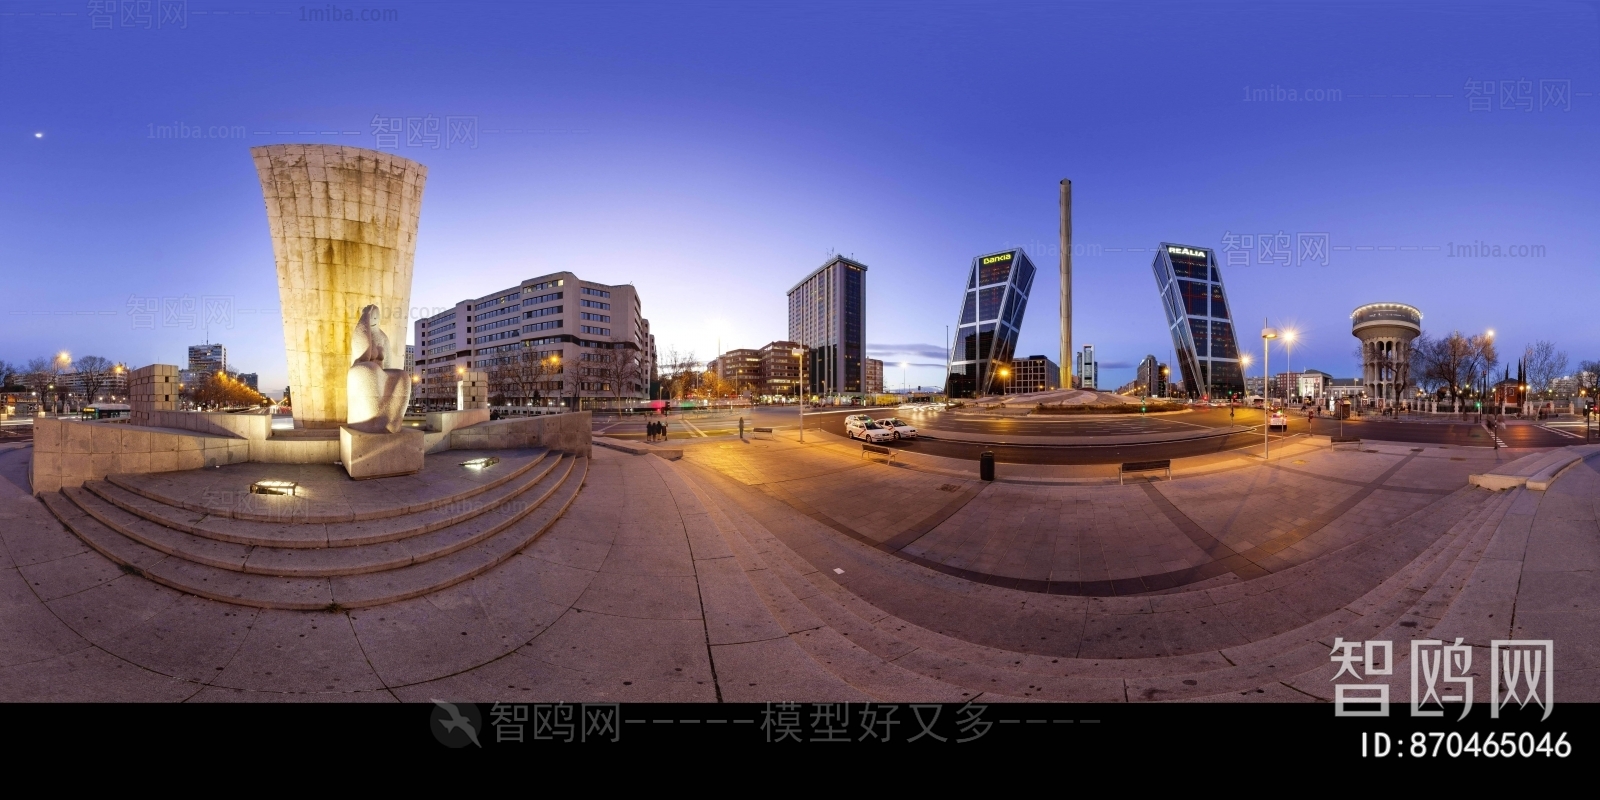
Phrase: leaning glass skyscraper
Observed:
(990, 316)
(1200, 321)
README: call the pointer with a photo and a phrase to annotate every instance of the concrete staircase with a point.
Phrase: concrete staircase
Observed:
(311, 561)
(1267, 638)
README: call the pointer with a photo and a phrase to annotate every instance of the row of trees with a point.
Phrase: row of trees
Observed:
(1451, 366)
(222, 390)
(684, 376)
(61, 380)
(533, 376)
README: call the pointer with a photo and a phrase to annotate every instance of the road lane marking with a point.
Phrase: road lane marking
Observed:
(1563, 433)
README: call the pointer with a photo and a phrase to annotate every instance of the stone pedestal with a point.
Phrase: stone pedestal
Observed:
(152, 389)
(472, 391)
(380, 455)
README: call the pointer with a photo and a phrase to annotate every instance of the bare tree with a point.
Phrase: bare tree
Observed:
(1544, 364)
(622, 372)
(1454, 363)
(683, 374)
(9, 373)
(94, 372)
(39, 376)
(502, 383)
(1422, 372)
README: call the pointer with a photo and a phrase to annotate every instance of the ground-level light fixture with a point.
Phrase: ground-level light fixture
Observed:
(274, 487)
(480, 463)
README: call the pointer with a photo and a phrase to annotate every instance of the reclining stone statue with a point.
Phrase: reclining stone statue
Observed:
(376, 397)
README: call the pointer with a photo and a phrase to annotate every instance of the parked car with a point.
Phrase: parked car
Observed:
(856, 418)
(867, 431)
(899, 427)
(1277, 421)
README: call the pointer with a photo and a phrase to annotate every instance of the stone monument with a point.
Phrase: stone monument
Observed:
(344, 235)
(373, 444)
(376, 396)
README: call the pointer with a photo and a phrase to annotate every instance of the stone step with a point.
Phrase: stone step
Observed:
(296, 533)
(311, 593)
(993, 669)
(441, 483)
(327, 561)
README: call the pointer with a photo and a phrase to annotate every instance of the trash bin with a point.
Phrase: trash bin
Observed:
(986, 465)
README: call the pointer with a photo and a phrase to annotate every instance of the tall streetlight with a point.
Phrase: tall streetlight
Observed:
(1267, 335)
(800, 390)
(1288, 352)
(1244, 367)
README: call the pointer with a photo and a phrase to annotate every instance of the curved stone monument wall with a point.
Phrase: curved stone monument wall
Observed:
(344, 234)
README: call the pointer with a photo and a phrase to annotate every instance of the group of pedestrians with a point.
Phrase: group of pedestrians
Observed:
(655, 431)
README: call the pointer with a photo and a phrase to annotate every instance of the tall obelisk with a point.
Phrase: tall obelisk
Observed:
(1066, 284)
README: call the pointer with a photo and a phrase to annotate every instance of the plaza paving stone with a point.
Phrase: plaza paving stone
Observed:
(773, 570)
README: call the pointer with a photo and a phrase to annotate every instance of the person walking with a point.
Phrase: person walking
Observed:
(663, 431)
(650, 431)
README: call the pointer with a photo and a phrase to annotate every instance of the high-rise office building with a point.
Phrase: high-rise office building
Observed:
(780, 369)
(1033, 374)
(742, 368)
(1090, 367)
(1199, 319)
(206, 360)
(874, 376)
(554, 340)
(828, 316)
(992, 305)
(1151, 379)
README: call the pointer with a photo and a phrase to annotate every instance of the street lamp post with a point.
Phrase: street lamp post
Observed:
(800, 390)
(1289, 381)
(1267, 335)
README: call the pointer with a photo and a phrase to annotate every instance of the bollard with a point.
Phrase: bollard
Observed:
(986, 465)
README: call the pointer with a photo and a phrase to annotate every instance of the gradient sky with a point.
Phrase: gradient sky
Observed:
(712, 154)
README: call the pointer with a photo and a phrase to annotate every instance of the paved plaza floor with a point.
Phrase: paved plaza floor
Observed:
(771, 570)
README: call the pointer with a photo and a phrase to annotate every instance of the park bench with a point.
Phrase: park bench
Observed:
(1335, 441)
(879, 450)
(1145, 466)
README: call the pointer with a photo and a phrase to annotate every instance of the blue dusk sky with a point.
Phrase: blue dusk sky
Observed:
(712, 154)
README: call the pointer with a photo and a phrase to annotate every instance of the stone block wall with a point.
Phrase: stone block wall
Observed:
(447, 421)
(569, 433)
(67, 452)
(254, 427)
(472, 391)
(150, 389)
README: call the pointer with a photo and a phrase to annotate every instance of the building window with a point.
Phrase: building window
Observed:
(510, 298)
(547, 311)
(595, 331)
(541, 326)
(539, 287)
(595, 304)
(595, 317)
(596, 292)
(542, 299)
